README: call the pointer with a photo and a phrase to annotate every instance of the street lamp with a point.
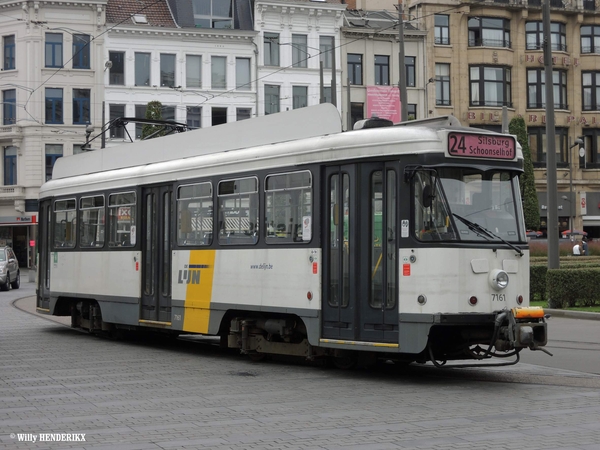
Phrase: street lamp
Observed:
(579, 142)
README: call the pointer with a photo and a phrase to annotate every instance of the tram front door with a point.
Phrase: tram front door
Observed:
(156, 254)
(360, 269)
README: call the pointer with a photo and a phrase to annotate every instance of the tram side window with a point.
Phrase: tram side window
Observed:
(65, 224)
(288, 211)
(238, 211)
(91, 221)
(121, 212)
(195, 214)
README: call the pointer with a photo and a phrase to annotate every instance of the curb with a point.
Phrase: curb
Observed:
(573, 314)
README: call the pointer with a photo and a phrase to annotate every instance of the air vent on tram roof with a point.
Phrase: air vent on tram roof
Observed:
(373, 122)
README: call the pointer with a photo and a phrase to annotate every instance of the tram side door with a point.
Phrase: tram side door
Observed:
(339, 246)
(156, 253)
(360, 271)
(44, 251)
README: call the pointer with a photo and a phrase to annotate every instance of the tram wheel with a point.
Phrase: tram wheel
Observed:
(344, 362)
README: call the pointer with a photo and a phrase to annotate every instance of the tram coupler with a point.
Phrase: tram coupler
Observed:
(520, 328)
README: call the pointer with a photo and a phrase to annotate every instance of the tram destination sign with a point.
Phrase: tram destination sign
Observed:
(484, 146)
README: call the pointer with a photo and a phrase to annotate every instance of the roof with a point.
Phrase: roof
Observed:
(156, 13)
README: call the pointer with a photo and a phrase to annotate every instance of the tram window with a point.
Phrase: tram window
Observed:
(288, 211)
(195, 214)
(433, 221)
(238, 211)
(65, 223)
(91, 221)
(121, 214)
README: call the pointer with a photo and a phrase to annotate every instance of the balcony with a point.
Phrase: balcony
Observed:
(12, 193)
(589, 5)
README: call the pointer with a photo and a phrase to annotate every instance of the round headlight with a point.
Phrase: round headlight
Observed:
(499, 279)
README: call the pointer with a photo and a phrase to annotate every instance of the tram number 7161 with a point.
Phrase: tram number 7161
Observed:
(498, 297)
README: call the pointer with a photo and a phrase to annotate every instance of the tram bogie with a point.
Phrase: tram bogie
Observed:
(403, 243)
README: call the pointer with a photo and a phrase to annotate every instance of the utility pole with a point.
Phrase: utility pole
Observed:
(402, 74)
(552, 220)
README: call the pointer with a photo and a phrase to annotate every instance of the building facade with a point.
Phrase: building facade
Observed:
(489, 55)
(51, 93)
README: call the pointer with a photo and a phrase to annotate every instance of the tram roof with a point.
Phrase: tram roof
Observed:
(319, 120)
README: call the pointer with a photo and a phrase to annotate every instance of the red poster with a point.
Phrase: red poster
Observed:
(383, 102)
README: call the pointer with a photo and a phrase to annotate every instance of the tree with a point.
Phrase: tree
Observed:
(153, 112)
(527, 180)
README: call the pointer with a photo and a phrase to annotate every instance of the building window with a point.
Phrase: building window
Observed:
(213, 13)
(54, 50)
(326, 51)
(81, 51)
(53, 152)
(242, 74)
(534, 35)
(116, 74)
(489, 32)
(142, 69)
(9, 107)
(300, 94)
(442, 84)
(243, 113)
(218, 72)
(140, 113)
(409, 64)
(590, 39)
(194, 117)
(591, 91)
(411, 110)
(271, 48)
(116, 112)
(442, 29)
(591, 139)
(299, 50)
(54, 105)
(538, 145)
(78, 148)
(9, 52)
(271, 99)
(536, 88)
(167, 70)
(81, 107)
(193, 71)
(357, 112)
(327, 94)
(218, 116)
(10, 166)
(490, 86)
(382, 70)
(355, 68)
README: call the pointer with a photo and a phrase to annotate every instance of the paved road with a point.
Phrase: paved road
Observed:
(139, 395)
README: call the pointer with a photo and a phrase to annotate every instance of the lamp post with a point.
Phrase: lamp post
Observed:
(564, 197)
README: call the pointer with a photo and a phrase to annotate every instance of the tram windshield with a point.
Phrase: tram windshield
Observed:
(466, 204)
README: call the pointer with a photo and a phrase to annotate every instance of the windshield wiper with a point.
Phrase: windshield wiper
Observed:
(485, 233)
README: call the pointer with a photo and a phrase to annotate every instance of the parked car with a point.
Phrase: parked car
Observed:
(10, 275)
(534, 234)
(577, 233)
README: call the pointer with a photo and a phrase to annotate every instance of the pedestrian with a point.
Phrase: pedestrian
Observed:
(576, 249)
(584, 246)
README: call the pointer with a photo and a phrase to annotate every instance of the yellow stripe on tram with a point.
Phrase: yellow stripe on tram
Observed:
(199, 291)
(367, 344)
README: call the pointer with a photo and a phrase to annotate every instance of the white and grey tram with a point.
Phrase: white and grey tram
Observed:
(284, 235)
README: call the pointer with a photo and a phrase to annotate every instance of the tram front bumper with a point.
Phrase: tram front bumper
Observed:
(521, 328)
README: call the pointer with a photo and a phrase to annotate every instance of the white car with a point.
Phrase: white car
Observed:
(10, 276)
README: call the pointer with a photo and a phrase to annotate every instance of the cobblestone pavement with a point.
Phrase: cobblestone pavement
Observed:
(138, 395)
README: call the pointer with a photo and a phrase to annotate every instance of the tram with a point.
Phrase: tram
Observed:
(284, 235)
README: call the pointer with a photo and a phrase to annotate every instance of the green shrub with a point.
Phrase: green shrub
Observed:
(568, 286)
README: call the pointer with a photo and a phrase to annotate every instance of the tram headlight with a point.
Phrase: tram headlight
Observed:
(498, 279)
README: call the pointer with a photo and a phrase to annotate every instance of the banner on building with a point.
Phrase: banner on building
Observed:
(383, 102)
(583, 203)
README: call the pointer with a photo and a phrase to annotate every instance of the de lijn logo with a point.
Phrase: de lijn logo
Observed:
(190, 274)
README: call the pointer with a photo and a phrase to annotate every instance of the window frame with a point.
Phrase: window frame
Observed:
(560, 101)
(55, 105)
(116, 73)
(82, 106)
(441, 37)
(9, 52)
(534, 36)
(382, 70)
(9, 107)
(243, 80)
(218, 72)
(326, 51)
(10, 162)
(168, 62)
(271, 49)
(482, 84)
(272, 96)
(410, 65)
(53, 51)
(299, 97)
(442, 85)
(193, 79)
(299, 51)
(142, 68)
(594, 38)
(477, 29)
(50, 158)
(594, 90)
(355, 68)
(81, 51)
